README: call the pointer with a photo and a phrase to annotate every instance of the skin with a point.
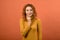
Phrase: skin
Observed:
(29, 13)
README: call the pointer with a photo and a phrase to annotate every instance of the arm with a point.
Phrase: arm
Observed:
(39, 30)
(23, 30)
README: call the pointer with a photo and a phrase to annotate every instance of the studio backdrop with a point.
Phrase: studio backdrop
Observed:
(47, 10)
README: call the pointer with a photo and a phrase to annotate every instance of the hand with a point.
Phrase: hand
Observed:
(29, 22)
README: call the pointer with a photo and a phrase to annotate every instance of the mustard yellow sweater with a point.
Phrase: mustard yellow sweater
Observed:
(34, 32)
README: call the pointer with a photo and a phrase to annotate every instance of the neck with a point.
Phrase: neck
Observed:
(28, 17)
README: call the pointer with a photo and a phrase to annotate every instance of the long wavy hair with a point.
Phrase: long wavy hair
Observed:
(24, 12)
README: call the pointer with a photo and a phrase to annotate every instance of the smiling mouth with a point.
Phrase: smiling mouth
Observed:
(29, 14)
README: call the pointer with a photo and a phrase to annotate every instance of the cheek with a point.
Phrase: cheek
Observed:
(27, 12)
(31, 12)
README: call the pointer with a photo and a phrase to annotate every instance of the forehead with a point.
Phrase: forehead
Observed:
(28, 7)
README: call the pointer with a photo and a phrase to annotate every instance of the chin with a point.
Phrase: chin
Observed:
(30, 15)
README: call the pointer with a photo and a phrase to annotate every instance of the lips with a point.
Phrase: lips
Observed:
(30, 13)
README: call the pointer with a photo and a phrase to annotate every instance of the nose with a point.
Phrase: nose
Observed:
(29, 11)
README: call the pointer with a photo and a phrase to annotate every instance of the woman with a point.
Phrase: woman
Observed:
(30, 27)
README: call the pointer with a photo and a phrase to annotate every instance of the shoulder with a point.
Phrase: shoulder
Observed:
(38, 20)
(21, 19)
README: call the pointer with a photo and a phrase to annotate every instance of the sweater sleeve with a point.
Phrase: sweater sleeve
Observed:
(39, 30)
(23, 30)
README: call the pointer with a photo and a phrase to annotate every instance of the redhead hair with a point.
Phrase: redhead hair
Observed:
(24, 12)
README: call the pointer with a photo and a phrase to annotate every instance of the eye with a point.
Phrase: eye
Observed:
(27, 10)
(30, 9)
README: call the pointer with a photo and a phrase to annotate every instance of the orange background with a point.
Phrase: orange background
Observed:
(47, 10)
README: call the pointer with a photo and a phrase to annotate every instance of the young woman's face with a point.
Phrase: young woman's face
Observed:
(29, 11)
